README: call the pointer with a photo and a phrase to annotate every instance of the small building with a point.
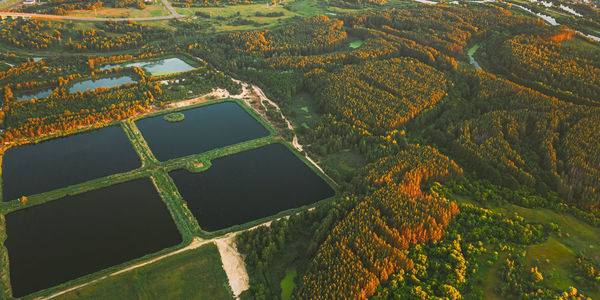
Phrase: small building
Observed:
(28, 2)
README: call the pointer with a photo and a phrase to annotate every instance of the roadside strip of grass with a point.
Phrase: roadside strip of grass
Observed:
(194, 274)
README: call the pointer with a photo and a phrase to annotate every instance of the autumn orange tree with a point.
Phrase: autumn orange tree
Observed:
(552, 60)
(32, 34)
(370, 244)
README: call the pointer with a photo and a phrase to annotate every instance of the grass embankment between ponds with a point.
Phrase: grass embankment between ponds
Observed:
(158, 172)
(139, 144)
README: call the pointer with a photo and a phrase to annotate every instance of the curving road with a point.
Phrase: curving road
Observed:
(173, 15)
(170, 8)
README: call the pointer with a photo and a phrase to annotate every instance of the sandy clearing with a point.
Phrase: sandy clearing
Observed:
(234, 265)
(215, 94)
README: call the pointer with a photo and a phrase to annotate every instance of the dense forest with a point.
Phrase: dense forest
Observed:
(31, 33)
(108, 36)
(555, 59)
(457, 168)
(63, 7)
(406, 85)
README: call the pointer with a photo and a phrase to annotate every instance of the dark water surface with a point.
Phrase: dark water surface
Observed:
(77, 235)
(204, 128)
(56, 163)
(249, 185)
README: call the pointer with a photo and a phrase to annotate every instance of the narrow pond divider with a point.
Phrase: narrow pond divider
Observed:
(183, 218)
(5, 288)
(193, 236)
(139, 144)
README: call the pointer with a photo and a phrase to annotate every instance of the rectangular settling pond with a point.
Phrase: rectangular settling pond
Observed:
(77, 235)
(60, 162)
(249, 185)
(202, 129)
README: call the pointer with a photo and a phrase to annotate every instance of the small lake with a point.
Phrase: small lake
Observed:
(203, 128)
(39, 95)
(64, 239)
(249, 185)
(56, 163)
(93, 84)
(164, 66)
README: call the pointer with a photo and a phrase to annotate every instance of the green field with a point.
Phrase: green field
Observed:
(554, 260)
(472, 50)
(555, 257)
(194, 274)
(356, 44)
(287, 283)
(307, 8)
(491, 280)
(575, 234)
(227, 15)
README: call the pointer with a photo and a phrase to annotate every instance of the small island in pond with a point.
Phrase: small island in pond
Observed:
(174, 117)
